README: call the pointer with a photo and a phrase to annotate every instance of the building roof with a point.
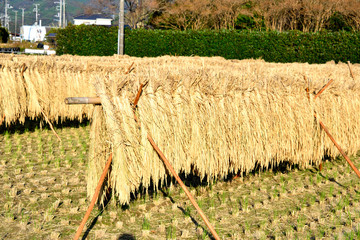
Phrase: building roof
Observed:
(92, 16)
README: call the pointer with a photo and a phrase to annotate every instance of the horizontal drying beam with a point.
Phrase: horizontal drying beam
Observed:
(83, 100)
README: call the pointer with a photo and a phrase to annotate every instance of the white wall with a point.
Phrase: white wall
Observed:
(84, 21)
(103, 21)
(33, 33)
(98, 21)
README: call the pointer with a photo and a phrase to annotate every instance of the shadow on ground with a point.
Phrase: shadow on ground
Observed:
(30, 125)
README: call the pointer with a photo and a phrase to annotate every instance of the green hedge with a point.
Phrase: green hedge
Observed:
(291, 46)
(87, 40)
(4, 35)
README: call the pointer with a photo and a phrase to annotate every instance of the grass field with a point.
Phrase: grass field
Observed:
(43, 196)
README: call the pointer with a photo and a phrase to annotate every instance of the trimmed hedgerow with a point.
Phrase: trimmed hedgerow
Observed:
(87, 40)
(293, 46)
(4, 35)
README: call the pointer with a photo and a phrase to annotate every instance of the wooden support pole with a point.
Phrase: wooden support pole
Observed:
(3, 119)
(323, 89)
(95, 100)
(138, 96)
(317, 95)
(173, 172)
(329, 135)
(130, 68)
(182, 185)
(338, 147)
(351, 72)
(93, 200)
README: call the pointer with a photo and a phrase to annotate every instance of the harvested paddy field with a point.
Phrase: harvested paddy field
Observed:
(213, 118)
(44, 197)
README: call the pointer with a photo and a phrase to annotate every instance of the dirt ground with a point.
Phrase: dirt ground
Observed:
(43, 196)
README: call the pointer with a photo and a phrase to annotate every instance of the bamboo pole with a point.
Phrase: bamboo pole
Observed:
(94, 198)
(93, 100)
(83, 100)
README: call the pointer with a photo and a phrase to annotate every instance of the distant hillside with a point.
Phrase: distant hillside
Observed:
(47, 10)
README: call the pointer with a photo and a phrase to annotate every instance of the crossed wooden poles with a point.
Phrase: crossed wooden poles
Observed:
(327, 131)
(97, 101)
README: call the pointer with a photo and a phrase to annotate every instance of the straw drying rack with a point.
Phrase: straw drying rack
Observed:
(97, 101)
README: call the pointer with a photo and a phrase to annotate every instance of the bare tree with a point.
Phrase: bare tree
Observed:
(305, 15)
(226, 12)
(108, 7)
(280, 15)
(319, 12)
(187, 14)
(350, 10)
(139, 11)
(205, 14)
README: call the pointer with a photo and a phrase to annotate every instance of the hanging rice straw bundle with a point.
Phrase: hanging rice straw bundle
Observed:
(209, 116)
(215, 120)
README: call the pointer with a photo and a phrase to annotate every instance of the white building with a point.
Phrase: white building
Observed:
(34, 33)
(94, 19)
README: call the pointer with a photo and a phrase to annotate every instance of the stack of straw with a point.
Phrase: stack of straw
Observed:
(213, 117)
(209, 116)
(46, 82)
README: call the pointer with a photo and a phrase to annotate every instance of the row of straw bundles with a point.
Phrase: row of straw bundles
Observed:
(33, 86)
(47, 80)
(211, 117)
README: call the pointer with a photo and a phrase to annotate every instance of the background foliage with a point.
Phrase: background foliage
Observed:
(4, 35)
(279, 15)
(272, 46)
(87, 40)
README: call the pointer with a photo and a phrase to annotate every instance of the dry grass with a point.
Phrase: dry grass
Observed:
(208, 115)
(294, 204)
(46, 82)
(212, 117)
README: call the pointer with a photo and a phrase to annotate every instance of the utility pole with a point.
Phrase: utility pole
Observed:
(64, 15)
(15, 11)
(59, 15)
(120, 49)
(36, 10)
(6, 16)
(2, 16)
(22, 16)
(7, 19)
